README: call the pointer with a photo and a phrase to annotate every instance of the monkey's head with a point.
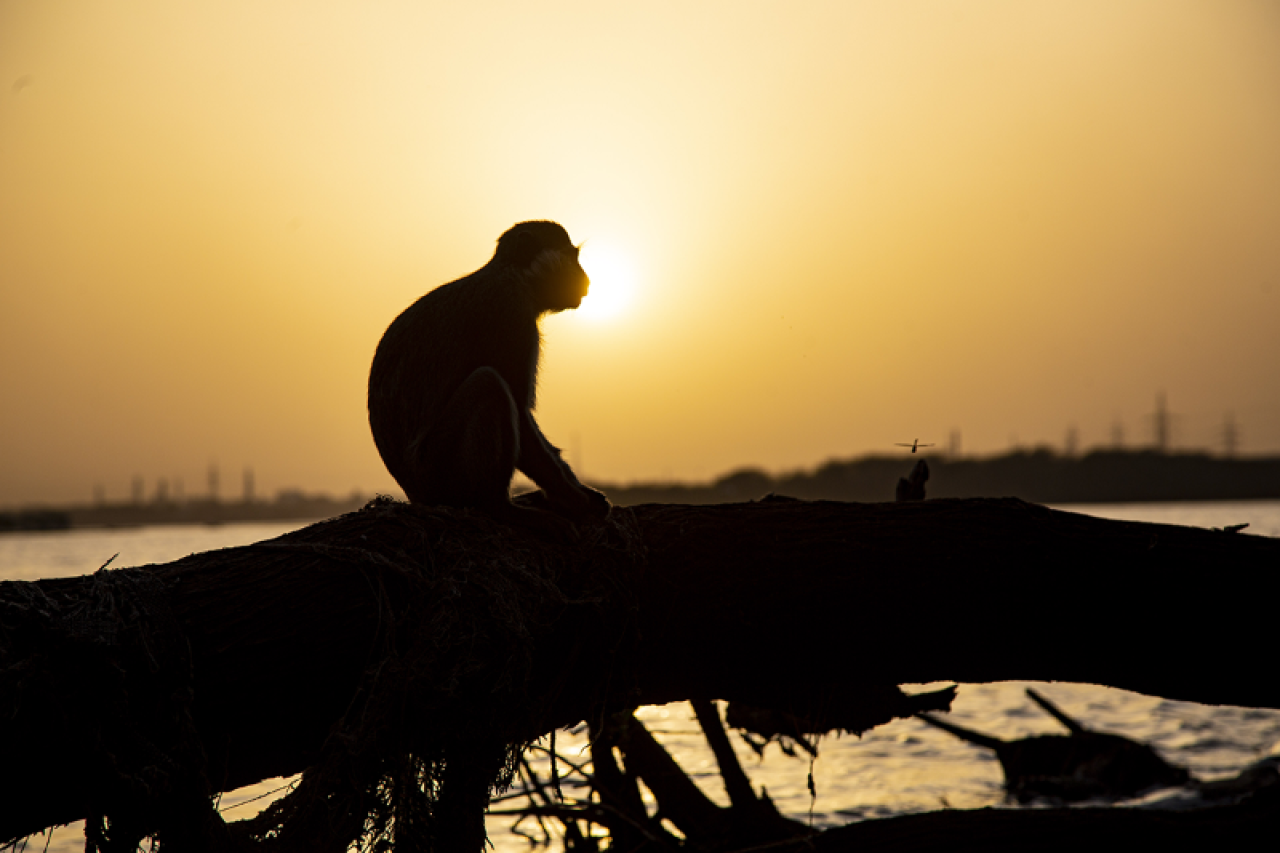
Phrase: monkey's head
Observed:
(547, 260)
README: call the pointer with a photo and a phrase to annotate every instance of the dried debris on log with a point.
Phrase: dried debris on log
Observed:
(405, 661)
(613, 800)
(610, 797)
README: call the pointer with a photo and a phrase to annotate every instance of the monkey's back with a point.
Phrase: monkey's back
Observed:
(431, 348)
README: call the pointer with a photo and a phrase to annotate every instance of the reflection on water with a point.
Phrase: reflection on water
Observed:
(902, 767)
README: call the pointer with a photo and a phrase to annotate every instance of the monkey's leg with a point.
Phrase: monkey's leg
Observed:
(470, 454)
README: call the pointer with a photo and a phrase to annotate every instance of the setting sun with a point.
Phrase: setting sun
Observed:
(613, 279)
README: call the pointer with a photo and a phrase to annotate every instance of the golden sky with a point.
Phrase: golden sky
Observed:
(839, 226)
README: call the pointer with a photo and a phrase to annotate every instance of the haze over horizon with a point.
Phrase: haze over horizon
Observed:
(814, 230)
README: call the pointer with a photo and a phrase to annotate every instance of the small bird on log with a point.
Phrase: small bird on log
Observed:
(911, 487)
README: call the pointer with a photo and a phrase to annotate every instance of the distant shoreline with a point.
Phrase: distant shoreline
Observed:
(203, 511)
(1040, 476)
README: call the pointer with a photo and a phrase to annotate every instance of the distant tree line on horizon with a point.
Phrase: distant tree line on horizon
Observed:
(1040, 475)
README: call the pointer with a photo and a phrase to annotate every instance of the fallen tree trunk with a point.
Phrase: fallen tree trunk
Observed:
(410, 631)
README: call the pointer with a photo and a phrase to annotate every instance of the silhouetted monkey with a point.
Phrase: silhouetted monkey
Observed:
(452, 387)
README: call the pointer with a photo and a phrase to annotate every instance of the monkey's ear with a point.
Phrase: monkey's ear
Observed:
(519, 247)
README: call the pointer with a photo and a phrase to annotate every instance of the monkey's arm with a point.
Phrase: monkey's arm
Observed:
(541, 462)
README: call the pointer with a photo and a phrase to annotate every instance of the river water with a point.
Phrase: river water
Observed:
(899, 768)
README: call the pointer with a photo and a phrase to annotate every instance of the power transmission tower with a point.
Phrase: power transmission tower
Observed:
(1230, 436)
(1162, 425)
(1071, 442)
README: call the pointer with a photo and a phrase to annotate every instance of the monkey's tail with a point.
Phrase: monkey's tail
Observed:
(976, 738)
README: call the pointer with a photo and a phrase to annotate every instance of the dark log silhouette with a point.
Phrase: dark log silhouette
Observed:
(374, 647)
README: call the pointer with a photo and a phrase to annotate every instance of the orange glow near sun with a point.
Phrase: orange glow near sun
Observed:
(613, 280)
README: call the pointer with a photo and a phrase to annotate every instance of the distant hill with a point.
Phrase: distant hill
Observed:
(1041, 476)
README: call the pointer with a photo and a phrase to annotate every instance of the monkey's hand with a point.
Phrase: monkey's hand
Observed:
(581, 503)
(598, 504)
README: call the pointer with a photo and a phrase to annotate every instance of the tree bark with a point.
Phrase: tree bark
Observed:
(819, 608)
